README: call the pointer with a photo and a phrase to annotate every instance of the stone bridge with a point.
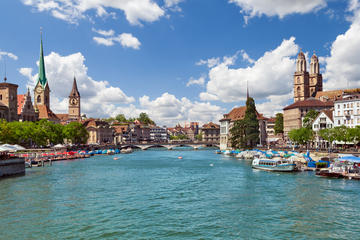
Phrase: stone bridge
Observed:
(170, 146)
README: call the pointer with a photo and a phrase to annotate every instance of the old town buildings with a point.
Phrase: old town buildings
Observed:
(210, 132)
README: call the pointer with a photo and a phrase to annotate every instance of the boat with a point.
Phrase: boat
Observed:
(276, 165)
(126, 150)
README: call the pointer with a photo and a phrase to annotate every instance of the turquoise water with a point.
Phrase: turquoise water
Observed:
(154, 195)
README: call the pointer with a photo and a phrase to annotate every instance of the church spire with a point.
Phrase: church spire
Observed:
(247, 90)
(74, 91)
(42, 76)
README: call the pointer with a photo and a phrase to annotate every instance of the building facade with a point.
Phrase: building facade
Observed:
(228, 120)
(347, 111)
(323, 121)
(159, 134)
(211, 133)
(8, 101)
(26, 111)
(100, 132)
(74, 103)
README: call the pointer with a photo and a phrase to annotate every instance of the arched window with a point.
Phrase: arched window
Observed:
(38, 99)
(0, 96)
(298, 80)
(298, 91)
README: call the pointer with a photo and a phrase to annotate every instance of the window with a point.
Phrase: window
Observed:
(347, 105)
(344, 105)
(357, 104)
(38, 99)
(338, 106)
(338, 113)
(0, 97)
(339, 122)
(351, 105)
(298, 91)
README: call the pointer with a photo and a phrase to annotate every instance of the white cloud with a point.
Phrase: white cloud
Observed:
(8, 54)
(342, 68)
(280, 8)
(246, 57)
(136, 11)
(211, 62)
(99, 98)
(127, 40)
(269, 75)
(169, 110)
(171, 3)
(274, 104)
(106, 33)
(193, 81)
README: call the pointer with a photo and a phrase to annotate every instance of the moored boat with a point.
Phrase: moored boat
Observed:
(276, 165)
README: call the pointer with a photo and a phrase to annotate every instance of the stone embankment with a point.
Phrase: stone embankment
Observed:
(12, 167)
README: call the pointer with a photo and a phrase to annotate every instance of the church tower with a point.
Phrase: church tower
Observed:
(301, 79)
(74, 102)
(42, 90)
(315, 83)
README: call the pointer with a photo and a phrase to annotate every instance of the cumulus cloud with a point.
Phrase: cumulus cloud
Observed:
(273, 72)
(211, 62)
(98, 97)
(8, 54)
(136, 11)
(170, 110)
(127, 40)
(280, 8)
(106, 33)
(342, 68)
(274, 104)
(193, 81)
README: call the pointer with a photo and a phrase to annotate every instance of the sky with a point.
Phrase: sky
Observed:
(177, 60)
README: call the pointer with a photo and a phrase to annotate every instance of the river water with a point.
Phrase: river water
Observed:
(154, 195)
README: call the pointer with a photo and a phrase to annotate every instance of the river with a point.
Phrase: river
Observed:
(155, 195)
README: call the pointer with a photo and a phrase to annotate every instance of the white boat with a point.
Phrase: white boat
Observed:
(276, 165)
(126, 150)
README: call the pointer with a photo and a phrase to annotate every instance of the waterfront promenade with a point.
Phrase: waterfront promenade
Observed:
(155, 195)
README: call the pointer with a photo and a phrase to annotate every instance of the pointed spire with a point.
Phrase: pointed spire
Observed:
(28, 92)
(42, 76)
(74, 90)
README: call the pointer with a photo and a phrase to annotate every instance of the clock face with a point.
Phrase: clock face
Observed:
(73, 101)
(38, 90)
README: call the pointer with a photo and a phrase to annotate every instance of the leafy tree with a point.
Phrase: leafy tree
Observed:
(279, 123)
(121, 118)
(145, 119)
(6, 132)
(76, 133)
(199, 137)
(301, 136)
(179, 137)
(328, 134)
(309, 118)
(251, 124)
(237, 134)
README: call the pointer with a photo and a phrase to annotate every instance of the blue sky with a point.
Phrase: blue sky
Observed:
(178, 60)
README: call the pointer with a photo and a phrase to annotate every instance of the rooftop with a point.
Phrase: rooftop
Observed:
(310, 102)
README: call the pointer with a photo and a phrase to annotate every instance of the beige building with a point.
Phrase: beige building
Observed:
(211, 133)
(8, 101)
(26, 109)
(227, 122)
(100, 132)
(294, 113)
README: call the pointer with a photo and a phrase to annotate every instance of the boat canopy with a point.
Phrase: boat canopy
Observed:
(353, 159)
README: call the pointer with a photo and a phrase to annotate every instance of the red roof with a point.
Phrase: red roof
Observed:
(310, 102)
(21, 100)
(210, 125)
(46, 113)
(239, 114)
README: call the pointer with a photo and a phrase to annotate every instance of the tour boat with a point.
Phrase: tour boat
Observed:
(277, 165)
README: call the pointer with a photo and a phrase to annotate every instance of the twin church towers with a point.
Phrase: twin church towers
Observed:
(307, 84)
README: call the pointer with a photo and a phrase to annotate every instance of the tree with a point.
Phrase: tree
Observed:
(121, 118)
(6, 132)
(301, 136)
(309, 118)
(145, 119)
(328, 134)
(237, 135)
(251, 124)
(279, 123)
(199, 137)
(76, 133)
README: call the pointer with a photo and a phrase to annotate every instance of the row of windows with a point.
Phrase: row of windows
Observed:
(350, 121)
(349, 105)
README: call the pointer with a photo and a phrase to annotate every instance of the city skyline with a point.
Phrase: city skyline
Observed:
(165, 59)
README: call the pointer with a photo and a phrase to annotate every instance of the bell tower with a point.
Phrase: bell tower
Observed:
(74, 102)
(42, 90)
(301, 79)
(315, 82)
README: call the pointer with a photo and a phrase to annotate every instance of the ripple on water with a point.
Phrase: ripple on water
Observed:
(155, 195)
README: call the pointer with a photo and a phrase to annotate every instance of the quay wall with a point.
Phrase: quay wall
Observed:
(12, 167)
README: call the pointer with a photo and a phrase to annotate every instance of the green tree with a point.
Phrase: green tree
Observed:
(199, 137)
(279, 123)
(251, 124)
(237, 135)
(145, 119)
(301, 136)
(6, 132)
(328, 134)
(121, 118)
(76, 133)
(309, 118)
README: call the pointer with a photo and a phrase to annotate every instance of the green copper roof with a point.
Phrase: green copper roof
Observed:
(42, 76)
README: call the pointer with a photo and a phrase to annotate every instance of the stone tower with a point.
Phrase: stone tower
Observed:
(315, 82)
(42, 90)
(74, 102)
(8, 101)
(301, 79)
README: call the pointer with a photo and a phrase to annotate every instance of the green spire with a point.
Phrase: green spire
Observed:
(42, 76)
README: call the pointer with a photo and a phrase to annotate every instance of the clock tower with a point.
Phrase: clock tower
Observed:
(74, 102)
